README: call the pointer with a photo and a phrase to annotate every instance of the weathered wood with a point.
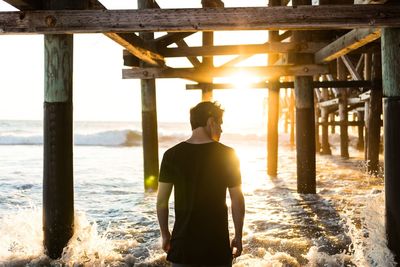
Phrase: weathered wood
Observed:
(292, 117)
(273, 107)
(347, 43)
(329, 103)
(338, 123)
(284, 36)
(360, 63)
(316, 84)
(360, 128)
(208, 61)
(269, 47)
(26, 4)
(235, 60)
(343, 112)
(137, 47)
(170, 38)
(39, 4)
(204, 74)
(365, 96)
(332, 119)
(391, 90)
(374, 118)
(191, 20)
(367, 66)
(130, 60)
(350, 67)
(182, 44)
(149, 119)
(58, 200)
(325, 146)
(305, 124)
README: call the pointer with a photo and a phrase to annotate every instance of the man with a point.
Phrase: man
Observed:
(201, 170)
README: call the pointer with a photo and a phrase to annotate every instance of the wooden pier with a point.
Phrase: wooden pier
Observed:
(330, 73)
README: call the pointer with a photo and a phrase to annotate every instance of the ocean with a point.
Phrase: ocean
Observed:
(115, 220)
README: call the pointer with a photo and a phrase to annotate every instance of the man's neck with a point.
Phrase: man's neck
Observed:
(199, 136)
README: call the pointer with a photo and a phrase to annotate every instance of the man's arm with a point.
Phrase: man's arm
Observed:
(238, 209)
(163, 194)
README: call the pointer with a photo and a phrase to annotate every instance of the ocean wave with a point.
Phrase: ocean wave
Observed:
(125, 137)
(105, 138)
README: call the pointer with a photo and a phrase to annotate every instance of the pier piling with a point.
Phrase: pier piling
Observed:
(58, 202)
(343, 112)
(207, 61)
(391, 91)
(374, 117)
(325, 146)
(273, 108)
(149, 120)
(305, 124)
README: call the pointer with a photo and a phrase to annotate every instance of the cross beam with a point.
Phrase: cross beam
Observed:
(347, 43)
(199, 19)
(271, 47)
(202, 74)
(264, 85)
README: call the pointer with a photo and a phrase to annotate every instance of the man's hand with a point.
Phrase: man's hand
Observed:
(236, 247)
(166, 242)
(164, 191)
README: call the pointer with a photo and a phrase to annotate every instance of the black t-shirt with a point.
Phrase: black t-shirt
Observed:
(201, 174)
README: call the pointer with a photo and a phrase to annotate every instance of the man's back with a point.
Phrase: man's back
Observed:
(201, 174)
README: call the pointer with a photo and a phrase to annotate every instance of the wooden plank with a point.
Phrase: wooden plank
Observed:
(202, 74)
(348, 42)
(269, 47)
(199, 19)
(353, 100)
(328, 103)
(137, 47)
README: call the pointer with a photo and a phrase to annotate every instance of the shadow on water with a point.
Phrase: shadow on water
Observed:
(296, 223)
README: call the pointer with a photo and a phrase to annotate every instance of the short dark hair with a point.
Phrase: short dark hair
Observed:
(204, 110)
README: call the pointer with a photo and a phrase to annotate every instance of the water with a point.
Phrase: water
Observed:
(343, 225)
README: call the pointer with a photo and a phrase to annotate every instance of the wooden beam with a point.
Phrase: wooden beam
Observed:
(137, 47)
(365, 96)
(130, 60)
(284, 35)
(199, 19)
(25, 4)
(264, 85)
(329, 103)
(350, 67)
(193, 59)
(203, 74)
(170, 38)
(348, 42)
(235, 61)
(269, 47)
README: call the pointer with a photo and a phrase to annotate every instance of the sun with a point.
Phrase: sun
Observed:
(244, 106)
(243, 80)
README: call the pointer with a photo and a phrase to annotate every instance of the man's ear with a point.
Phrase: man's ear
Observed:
(210, 121)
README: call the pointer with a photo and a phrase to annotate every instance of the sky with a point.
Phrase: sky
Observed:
(100, 93)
